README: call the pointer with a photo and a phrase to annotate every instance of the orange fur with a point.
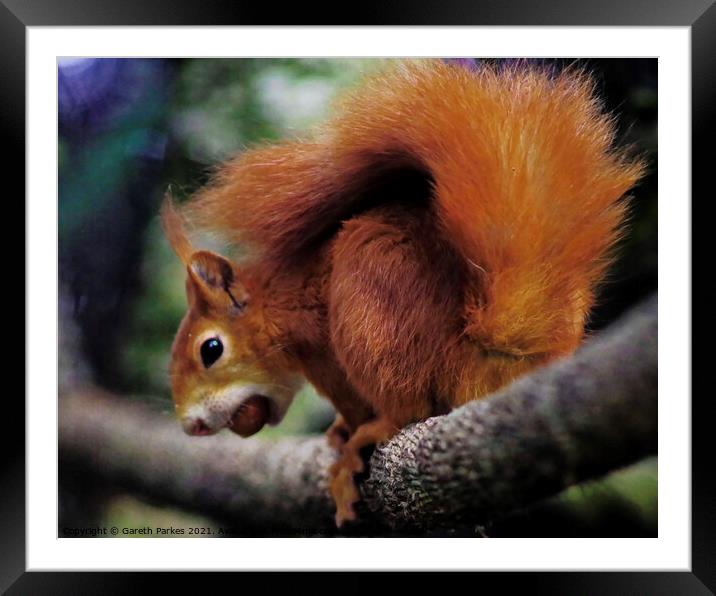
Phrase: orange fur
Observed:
(440, 235)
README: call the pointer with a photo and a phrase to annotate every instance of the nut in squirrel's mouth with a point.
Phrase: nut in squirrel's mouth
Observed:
(251, 415)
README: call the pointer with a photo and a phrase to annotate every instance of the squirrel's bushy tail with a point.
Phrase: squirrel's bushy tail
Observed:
(519, 163)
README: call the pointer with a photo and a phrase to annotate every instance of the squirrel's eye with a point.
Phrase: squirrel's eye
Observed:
(211, 351)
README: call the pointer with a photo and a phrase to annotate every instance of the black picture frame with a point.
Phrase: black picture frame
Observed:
(699, 15)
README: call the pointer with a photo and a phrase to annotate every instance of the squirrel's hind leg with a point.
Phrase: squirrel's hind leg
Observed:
(343, 486)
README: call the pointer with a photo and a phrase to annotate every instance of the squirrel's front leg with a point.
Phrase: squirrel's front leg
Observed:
(343, 486)
(338, 433)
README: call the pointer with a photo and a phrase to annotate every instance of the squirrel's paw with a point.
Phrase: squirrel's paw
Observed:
(345, 493)
(338, 433)
(343, 486)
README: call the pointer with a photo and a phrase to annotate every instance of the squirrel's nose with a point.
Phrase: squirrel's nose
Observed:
(196, 426)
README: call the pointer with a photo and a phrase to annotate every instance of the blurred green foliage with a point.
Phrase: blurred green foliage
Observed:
(137, 519)
(622, 504)
(225, 105)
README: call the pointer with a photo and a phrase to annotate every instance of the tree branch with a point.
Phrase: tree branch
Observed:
(574, 420)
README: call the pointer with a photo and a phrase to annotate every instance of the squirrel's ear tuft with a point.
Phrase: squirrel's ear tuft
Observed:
(214, 281)
(173, 225)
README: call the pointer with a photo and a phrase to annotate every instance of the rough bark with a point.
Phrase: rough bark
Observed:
(574, 420)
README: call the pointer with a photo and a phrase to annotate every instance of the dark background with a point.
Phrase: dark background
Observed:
(130, 129)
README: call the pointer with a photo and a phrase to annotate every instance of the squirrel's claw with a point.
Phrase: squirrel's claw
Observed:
(338, 433)
(342, 473)
(345, 494)
(343, 485)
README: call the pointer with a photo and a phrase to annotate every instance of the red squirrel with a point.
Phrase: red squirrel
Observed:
(441, 234)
